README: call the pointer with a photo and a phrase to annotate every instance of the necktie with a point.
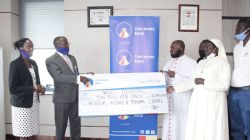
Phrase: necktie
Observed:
(66, 58)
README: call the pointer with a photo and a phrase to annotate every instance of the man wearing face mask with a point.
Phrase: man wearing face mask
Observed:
(207, 117)
(178, 70)
(63, 69)
(239, 94)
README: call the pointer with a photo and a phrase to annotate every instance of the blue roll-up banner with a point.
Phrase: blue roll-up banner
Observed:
(134, 47)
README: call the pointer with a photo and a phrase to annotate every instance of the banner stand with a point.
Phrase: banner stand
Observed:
(134, 47)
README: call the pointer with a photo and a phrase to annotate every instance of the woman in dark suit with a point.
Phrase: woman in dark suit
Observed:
(25, 87)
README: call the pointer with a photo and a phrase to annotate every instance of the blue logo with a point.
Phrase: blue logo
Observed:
(89, 83)
(123, 58)
(124, 30)
(123, 117)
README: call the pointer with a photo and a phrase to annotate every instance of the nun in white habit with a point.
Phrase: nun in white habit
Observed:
(207, 117)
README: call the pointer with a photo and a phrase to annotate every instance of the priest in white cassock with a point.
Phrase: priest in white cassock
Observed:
(178, 70)
(207, 115)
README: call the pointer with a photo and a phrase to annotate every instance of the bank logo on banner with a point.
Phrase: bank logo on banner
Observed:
(123, 58)
(124, 30)
(123, 117)
(89, 83)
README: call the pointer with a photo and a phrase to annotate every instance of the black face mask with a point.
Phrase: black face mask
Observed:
(177, 54)
(202, 54)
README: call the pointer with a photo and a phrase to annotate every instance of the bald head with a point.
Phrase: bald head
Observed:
(180, 43)
(61, 41)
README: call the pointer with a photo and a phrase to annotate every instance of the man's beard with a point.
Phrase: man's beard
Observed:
(177, 54)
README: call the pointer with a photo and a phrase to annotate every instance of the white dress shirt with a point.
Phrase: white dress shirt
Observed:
(241, 72)
(67, 60)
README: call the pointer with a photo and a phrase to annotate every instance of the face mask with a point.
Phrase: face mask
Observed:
(202, 54)
(212, 55)
(24, 54)
(63, 50)
(177, 54)
(241, 36)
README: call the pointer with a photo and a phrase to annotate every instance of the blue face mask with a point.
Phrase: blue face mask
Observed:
(241, 36)
(63, 50)
(24, 54)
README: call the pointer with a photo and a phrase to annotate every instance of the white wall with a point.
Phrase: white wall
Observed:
(91, 45)
(88, 41)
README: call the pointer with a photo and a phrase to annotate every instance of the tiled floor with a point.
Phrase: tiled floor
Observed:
(10, 137)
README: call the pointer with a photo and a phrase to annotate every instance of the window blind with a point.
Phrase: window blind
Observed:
(42, 21)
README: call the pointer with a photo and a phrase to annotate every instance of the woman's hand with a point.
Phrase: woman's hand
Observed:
(40, 89)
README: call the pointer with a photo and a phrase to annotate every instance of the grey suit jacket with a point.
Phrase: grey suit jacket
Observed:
(65, 80)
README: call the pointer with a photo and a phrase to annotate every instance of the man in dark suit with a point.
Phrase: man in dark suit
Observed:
(63, 69)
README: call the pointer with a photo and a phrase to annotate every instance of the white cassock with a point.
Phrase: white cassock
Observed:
(174, 122)
(207, 116)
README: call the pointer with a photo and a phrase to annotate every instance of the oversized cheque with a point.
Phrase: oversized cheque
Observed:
(123, 93)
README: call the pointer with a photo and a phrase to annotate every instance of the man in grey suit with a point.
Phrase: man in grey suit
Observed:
(63, 69)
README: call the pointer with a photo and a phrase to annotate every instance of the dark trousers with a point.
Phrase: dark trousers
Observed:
(63, 112)
(239, 113)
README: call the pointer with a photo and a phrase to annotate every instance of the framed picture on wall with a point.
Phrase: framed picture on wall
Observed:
(99, 16)
(188, 18)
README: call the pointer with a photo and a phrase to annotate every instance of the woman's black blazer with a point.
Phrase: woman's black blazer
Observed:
(21, 83)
